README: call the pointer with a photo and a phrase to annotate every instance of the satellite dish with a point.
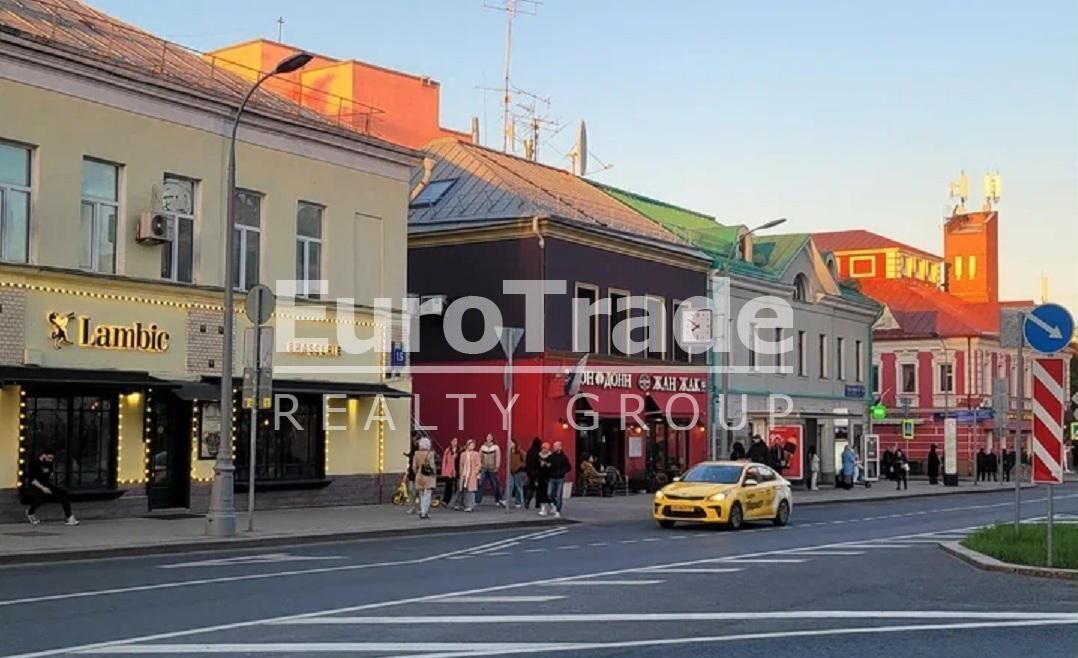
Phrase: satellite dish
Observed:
(582, 149)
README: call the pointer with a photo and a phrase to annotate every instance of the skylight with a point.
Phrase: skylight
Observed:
(432, 193)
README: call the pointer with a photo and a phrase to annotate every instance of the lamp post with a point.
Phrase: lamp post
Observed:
(221, 517)
(951, 482)
(723, 424)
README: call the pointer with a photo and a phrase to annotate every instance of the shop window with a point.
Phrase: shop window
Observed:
(99, 211)
(288, 451)
(247, 250)
(81, 430)
(308, 249)
(14, 202)
(585, 319)
(178, 256)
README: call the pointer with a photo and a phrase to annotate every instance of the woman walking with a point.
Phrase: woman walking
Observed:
(470, 464)
(901, 470)
(531, 469)
(425, 475)
(814, 469)
(449, 471)
(542, 480)
(933, 465)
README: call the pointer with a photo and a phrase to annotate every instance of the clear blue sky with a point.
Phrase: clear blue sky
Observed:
(835, 114)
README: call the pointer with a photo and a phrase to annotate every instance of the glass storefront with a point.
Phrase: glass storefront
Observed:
(81, 430)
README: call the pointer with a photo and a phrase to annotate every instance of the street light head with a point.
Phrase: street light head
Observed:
(293, 63)
(772, 224)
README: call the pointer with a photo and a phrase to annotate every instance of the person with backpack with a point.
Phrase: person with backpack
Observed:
(490, 460)
(425, 476)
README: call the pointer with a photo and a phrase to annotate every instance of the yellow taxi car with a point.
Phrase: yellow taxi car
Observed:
(726, 492)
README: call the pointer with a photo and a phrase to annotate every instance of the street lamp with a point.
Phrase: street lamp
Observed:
(221, 517)
(725, 379)
(947, 409)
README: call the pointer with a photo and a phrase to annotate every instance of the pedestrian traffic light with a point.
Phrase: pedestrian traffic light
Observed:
(907, 428)
(878, 410)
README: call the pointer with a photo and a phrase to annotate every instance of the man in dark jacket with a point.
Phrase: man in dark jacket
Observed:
(41, 489)
(991, 464)
(559, 468)
(982, 466)
(758, 450)
(531, 469)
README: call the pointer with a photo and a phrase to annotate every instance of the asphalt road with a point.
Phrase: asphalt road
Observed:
(841, 580)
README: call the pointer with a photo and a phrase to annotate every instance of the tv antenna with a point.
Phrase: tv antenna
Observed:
(959, 189)
(280, 29)
(511, 9)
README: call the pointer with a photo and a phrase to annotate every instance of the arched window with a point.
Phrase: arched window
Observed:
(800, 288)
(832, 267)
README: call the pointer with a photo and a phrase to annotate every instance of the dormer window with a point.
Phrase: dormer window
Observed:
(800, 288)
(432, 193)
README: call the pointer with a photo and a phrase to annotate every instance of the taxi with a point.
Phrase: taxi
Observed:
(724, 492)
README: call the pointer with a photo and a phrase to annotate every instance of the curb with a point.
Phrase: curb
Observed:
(957, 491)
(210, 545)
(986, 563)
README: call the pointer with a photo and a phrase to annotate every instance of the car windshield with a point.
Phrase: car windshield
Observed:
(713, 474)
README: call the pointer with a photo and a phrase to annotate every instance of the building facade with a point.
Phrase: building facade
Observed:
(112, 337)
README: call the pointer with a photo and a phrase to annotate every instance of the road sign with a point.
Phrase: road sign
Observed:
(907, 429)
(258, 347)
(1010, 327)
(260, 304)
(1048, 399)
(257, 386)
(1048, 328)
(1074, 433)
(509, 338)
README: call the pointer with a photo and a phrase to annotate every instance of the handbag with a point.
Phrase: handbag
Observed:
(426, 469)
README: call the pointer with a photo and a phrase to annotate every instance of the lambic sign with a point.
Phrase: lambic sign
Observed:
(134, 337)
(608, 379)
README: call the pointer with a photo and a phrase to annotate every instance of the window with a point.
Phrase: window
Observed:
(800, 288)
(680, 318)
(178, 256)
(859, 361)
(908, 377)
(753, 345)
(946, 378)
(823, 356)
(14, 202)
(840, 358)
(778, 348)
(958, 267)
(308, 249)
(432, 193)
(82, 432)
(656, 329)
(972, 267)
(875, 378)
(247, 249)
(585, 319)
(619, 314)
(802, 354)
(285, 452)
(100, 208)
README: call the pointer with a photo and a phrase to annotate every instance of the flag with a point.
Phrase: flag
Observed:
(575, 376)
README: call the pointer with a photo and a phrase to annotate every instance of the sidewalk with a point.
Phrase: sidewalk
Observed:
(53, 541)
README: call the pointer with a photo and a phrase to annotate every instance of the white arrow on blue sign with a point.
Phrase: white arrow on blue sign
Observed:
(1048, 328)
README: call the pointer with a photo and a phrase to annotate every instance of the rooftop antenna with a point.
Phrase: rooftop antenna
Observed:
(511, 9)
(959, 189)
(993, 190)
(280, 29)
(579, 155)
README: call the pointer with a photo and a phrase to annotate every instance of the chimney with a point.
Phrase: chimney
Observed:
(475, 130)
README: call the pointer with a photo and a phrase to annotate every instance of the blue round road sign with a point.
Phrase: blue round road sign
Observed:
(1048, 328)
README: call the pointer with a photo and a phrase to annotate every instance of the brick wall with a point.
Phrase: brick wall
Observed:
(204, 337)
(12, 326)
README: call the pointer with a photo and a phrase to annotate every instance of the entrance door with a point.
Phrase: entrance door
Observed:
(170, 452)
(872, 456)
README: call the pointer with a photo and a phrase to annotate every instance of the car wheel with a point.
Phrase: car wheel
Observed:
(666, 523)
(782, 516)
(736, 517)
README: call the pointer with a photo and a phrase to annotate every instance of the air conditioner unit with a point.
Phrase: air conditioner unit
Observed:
(155, 228)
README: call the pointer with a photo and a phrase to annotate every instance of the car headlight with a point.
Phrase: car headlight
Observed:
(659, 495)
(718, 498)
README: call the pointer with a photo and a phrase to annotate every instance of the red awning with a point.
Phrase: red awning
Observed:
(611, 403)
(680, 405)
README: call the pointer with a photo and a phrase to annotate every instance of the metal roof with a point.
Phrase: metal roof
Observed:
(858, 239)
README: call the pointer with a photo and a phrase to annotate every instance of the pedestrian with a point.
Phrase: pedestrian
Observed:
(531, 469)
(849, 466)
(559, 468)
(41, 489)
(490, 456)
(450, 457)
(542, 480)
(777, 456)
(902, 470)
(991, 466)
(514, 489)
(933, 465)
(738, 453)
(469, 476)
(982, 466)
(758, 450)
(887, 462)
(814, 469)
(425, 476)
(1008, 464)
(413, 500)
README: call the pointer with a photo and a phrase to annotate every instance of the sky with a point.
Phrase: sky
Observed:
(834, 114)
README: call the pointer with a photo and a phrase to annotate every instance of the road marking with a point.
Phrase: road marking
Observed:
(691, 570)
(677, 617)
(629, 541)
(256, 648)
(651, 539)
(497, 599)
(571, 547)
(815, 553)
(880, 545)
(588, 583)
(535, 550)
(764, 560)
(597, 544)
(265, 558)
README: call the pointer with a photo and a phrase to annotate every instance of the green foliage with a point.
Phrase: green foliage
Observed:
(1027, 547)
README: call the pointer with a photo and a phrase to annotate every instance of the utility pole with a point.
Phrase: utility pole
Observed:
(511, 9)
(1020, 409)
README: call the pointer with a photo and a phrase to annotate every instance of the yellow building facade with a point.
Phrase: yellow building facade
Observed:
(111, 334)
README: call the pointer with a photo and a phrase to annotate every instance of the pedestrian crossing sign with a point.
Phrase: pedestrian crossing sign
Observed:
(1074, 431)
(907, 429)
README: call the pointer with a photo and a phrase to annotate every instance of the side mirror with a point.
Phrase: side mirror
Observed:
(749, 483)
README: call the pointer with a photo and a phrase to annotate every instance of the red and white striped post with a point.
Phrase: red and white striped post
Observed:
(1047, 450)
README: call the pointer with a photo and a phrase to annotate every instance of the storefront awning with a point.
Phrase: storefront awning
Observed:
(197, 391)
(341, 388)
(675, 405)
(65, 376)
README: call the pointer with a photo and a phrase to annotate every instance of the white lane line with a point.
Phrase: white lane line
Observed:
(257, 648)
(765, 560)
(535, 550)
(677, 537)
(597, 544)
(651, 539)
(589, 583)
(498, 599)
(497, 547)
(677, 617)
(629, 541)
(692, 570)
(265, 558)
(571, 547)
(498, 554)
(882, 545)
(821, 553)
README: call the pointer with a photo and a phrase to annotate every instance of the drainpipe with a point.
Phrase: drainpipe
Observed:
(428, 169)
